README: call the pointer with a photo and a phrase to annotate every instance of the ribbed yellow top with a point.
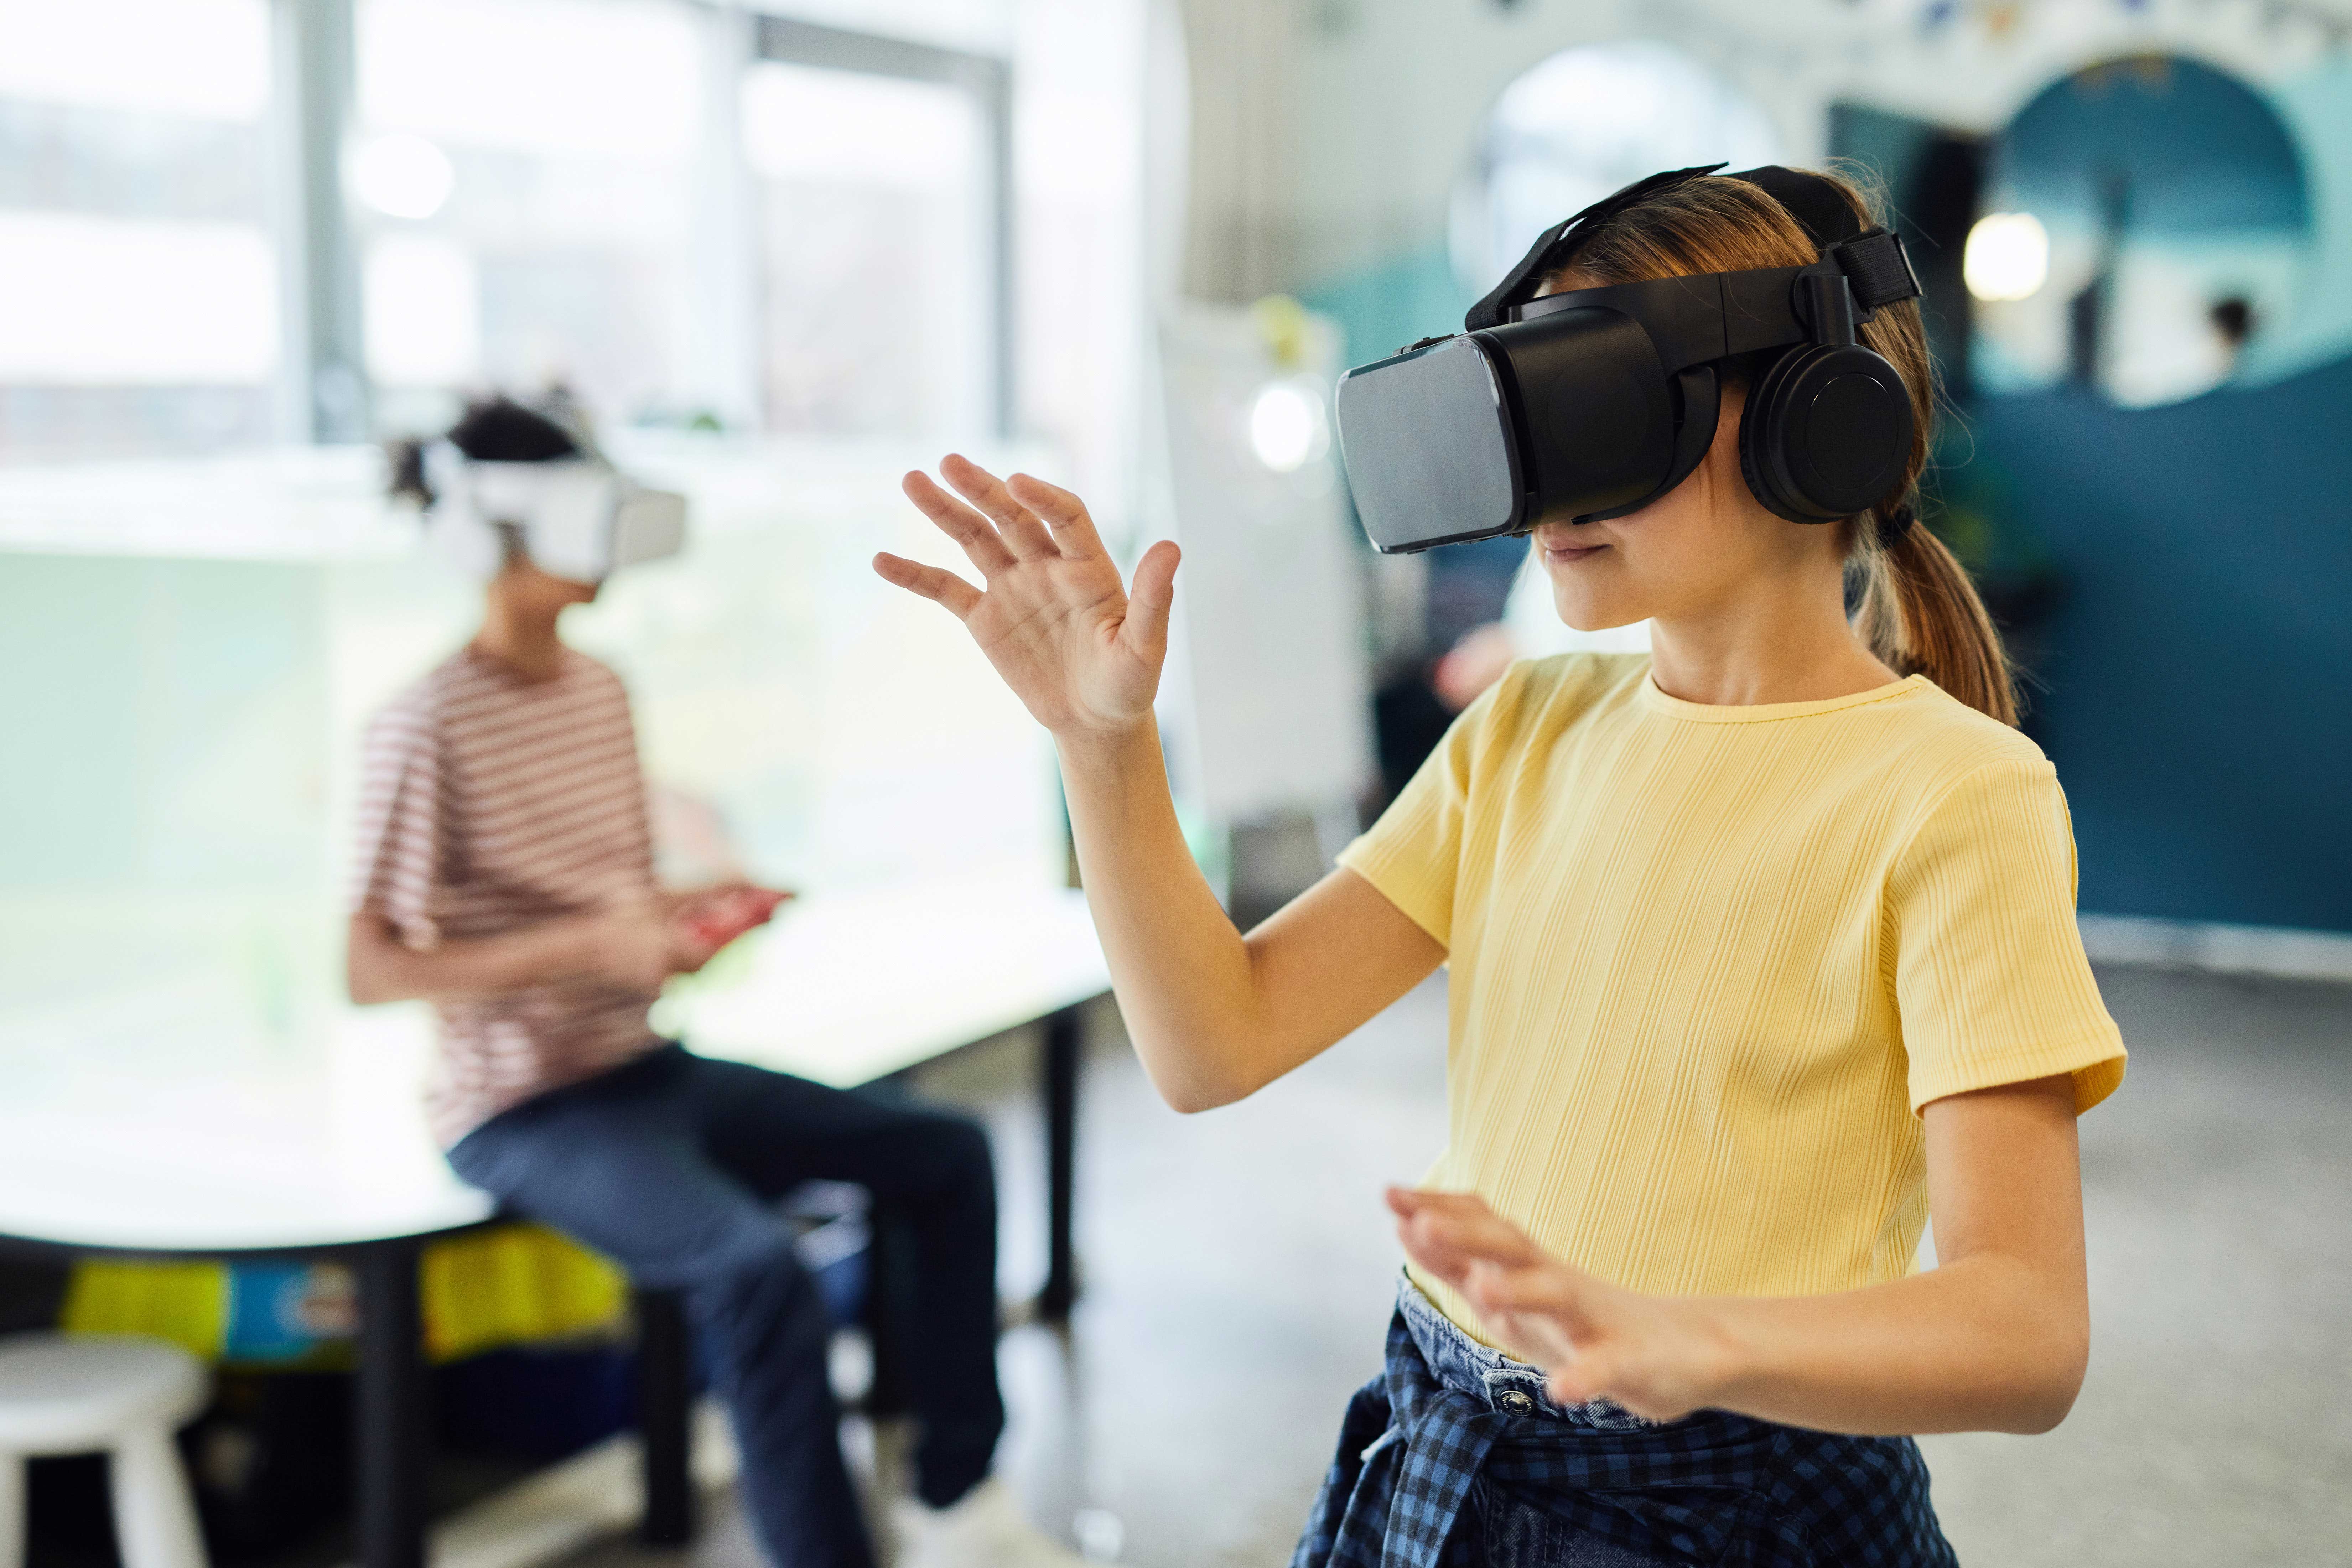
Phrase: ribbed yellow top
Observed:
(1708, 962)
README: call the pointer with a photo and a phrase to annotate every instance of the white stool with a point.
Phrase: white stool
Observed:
(124, 1397)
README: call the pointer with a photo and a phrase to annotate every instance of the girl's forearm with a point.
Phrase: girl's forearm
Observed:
(1182, 972)
(1982, 1343)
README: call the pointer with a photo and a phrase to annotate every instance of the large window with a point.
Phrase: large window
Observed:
(523, 180)
(876, 269)
(142, 296)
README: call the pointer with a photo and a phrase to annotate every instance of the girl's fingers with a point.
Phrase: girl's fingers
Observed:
(981, 543)
(1581, 1381)
(1064, 513)
(1149, 598)
(1540, 1288)
(1462, 1225)
(1022, 534)
(1410, 1201)
(1533, 1338)
(1550, 1297)
(933, 583)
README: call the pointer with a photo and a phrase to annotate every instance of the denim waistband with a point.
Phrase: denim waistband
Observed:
(1460, 1363)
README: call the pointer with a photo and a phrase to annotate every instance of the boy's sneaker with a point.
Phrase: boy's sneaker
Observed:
(981, 1528)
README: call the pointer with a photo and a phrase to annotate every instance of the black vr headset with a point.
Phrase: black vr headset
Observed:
(1594, 403)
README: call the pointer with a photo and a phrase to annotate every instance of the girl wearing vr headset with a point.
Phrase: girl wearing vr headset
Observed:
(1761, 947)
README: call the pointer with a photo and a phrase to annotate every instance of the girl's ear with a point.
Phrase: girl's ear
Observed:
(1721, 464)
(1733, 411)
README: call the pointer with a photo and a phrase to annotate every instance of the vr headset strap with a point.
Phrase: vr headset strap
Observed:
(1819, 210)
(1873, 260)
(1878, 268)
(1517, 285)
(1875, 263)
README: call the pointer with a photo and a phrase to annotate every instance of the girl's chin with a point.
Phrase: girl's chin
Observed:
(1587, 617)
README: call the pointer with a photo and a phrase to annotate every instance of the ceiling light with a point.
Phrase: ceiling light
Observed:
(2008, 256)
(1285, 426)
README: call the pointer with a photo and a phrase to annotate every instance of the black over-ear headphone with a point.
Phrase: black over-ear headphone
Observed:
(1828, 428)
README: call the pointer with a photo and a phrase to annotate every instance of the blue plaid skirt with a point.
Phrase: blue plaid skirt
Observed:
(1455, 1456)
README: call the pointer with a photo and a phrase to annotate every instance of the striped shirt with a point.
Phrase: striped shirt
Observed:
(491, 802)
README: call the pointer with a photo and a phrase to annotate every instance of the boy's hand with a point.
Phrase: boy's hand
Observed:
(1659, 1356)
(639, 947)
(717, 916)
(1081, 651)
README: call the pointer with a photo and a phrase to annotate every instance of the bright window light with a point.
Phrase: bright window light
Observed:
(202, 60)
(2008, 256)
(125, 303)
(424, 313)
(614, 76)
(1285, 426)
(805, 123)
(403, 175)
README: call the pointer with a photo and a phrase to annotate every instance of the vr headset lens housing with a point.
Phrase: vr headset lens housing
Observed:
(1591, 404)
(1431, 447)
(578, 519)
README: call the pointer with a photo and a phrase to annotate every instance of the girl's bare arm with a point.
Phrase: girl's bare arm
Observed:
(1213, 1015)
(1994, 1338)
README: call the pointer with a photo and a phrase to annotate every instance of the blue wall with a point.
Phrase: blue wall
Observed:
(2199, 666)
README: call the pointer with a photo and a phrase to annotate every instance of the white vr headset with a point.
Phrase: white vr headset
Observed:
(578, 518)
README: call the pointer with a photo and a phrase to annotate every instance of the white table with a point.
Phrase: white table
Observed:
(331, 1156)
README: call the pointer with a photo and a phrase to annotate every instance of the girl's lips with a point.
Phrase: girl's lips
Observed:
(1572, 552)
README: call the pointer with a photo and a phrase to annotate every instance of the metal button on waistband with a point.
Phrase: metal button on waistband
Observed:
(1515, 1401)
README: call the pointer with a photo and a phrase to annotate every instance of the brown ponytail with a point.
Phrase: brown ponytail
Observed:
(1918, 612)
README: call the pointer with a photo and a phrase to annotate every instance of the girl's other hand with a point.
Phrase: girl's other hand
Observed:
(1659, 1356)
(1079, 649)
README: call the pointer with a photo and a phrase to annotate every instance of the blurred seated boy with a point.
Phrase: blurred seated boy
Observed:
(506, 875)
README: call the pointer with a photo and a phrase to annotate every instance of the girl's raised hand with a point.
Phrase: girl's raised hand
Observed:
(1658, 1356)
(1082, 651)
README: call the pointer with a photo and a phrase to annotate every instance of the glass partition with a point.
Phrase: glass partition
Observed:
(875, 260)
(184, 710)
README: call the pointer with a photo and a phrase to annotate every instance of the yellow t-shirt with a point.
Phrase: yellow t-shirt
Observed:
(1708, 962)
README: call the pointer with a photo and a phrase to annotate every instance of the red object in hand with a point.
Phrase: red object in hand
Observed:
(717, 918)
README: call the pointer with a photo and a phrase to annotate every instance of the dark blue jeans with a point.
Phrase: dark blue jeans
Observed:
(670, 1166)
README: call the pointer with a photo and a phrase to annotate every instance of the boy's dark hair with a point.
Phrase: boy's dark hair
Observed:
(493, 430)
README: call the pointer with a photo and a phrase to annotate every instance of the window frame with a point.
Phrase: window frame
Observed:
(988, 79)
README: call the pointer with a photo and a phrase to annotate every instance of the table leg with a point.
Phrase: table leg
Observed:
(1065, 1037)
(665, 1417)
(393, 1445)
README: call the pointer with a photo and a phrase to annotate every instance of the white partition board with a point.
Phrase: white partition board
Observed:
(1267, 700)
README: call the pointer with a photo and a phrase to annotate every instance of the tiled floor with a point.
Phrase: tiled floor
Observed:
(1238, 1269)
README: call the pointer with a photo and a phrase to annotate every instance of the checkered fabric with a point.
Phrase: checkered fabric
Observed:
(1432, 1476)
